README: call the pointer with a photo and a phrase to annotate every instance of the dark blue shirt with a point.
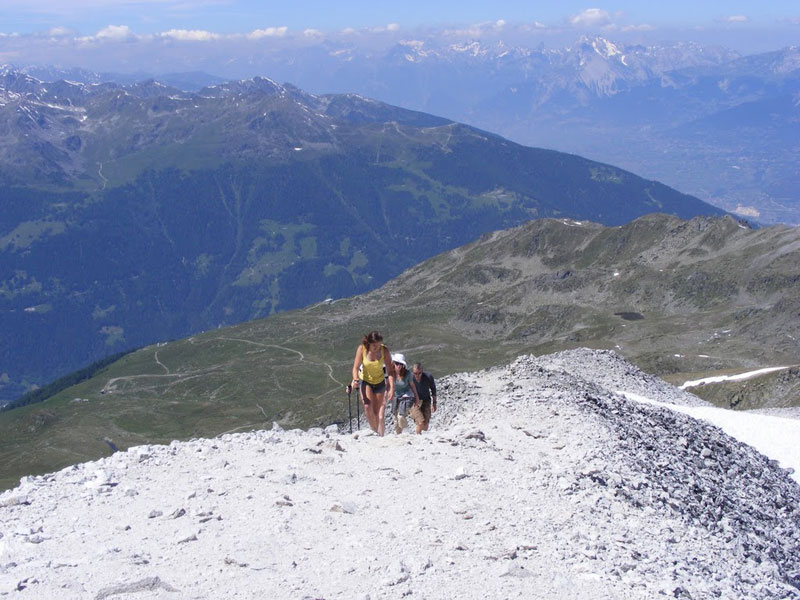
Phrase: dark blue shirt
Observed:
(426, 386)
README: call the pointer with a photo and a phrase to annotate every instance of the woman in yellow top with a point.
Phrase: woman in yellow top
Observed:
(372, 368)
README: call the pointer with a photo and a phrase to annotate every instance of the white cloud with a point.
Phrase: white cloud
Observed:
(116, 33)
(191, 35)
(535, 26)
(60, 32)
(642, 27)
(312, 33)
(735, 19)
(268, 32)
(591, 17)
(478, 29)
(384, 28)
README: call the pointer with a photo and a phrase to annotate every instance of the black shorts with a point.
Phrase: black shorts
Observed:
(377, 388)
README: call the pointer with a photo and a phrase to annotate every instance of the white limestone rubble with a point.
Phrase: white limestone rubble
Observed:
(535, 480)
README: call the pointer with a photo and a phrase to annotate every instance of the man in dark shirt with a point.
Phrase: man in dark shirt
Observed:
(426, 390)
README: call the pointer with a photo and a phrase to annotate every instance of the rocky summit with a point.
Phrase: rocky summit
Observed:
(537, 479)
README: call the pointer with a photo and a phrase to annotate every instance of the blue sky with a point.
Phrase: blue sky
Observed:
(158, 36)
(87, 17)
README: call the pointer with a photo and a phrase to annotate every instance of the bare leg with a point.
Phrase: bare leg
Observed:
(380, 416)
(368, 397)
(419, 419)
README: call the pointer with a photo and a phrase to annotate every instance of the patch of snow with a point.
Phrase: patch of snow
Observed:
(739, 377)
(773, 436)
(605, 48)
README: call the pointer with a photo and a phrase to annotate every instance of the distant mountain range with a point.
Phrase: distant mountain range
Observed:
(141, 213)
(680, 299)
(706, 120)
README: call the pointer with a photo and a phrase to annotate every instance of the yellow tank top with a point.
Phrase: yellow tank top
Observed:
(372, 371)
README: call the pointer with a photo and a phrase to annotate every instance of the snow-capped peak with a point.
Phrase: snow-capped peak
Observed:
(605, 48)
(473, 48)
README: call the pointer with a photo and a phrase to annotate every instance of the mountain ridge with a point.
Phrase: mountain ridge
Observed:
(533, 476)
(675, 297)
(614, 101)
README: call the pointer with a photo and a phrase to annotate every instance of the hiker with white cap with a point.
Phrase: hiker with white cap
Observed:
(405, 393)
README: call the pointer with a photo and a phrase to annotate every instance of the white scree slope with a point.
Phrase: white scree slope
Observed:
(536, 480)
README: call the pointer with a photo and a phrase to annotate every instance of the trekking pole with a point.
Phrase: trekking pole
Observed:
(358, 408)
(349, 408)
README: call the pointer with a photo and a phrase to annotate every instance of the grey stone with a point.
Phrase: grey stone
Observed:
(148, 584)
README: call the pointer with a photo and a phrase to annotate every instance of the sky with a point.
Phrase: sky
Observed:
(148, 35)
(87, 17)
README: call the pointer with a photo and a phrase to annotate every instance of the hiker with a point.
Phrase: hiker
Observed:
(372, 368)
(405, 393)
(425, 387)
